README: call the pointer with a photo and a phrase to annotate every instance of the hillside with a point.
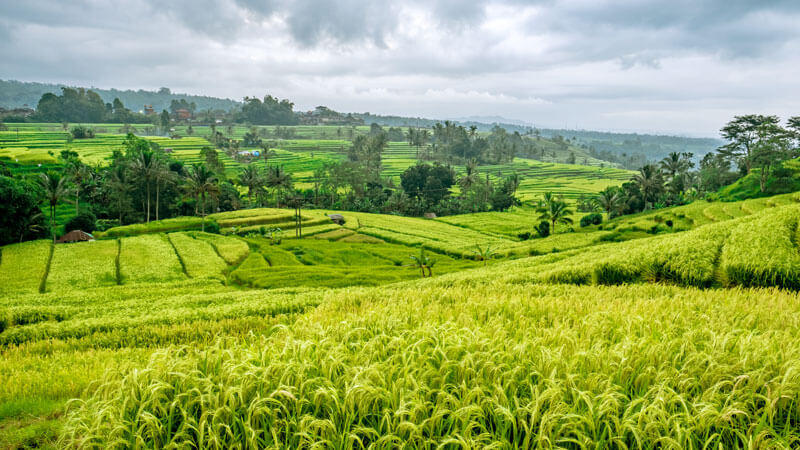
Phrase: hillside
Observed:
(16, 94)
(341, 318)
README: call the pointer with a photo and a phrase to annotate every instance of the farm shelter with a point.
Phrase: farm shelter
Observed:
(337, 219)
(76, 236)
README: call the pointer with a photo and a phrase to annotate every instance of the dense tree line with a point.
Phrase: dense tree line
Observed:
(756, 147)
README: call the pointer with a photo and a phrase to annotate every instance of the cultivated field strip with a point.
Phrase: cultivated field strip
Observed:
(149, 259)
(198, 257)
(22, 266)
(82, 265)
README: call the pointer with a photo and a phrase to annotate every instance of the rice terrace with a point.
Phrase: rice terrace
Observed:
(468, 266)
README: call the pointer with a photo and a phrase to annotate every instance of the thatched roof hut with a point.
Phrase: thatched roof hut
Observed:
(430, 215)
(76, 236)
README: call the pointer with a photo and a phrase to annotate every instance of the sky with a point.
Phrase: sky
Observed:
(681, 66)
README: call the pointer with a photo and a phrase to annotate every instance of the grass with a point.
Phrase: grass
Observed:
(198, 257)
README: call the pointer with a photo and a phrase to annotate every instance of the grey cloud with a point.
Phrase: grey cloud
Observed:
(344, 21)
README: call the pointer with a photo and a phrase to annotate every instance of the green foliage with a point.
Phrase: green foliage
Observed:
(591, 219)
(85, 221)
(20, 216)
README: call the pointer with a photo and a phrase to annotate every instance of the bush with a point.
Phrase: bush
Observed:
(84, 221)
(591, 219)
(669, 223)
(543, 229)
(524, 236)
(212, 227)
(81, 132)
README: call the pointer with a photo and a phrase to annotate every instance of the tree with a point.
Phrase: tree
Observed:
(610, 201)
(251, 178)
(650, 183)
(771, 146)
(554, 211)
(119, 185)
(424, 262)
(742, 134)
(143, 168)
(78, 173)
(279, 180)
(202, 183)
(428, 182)
(164, 121)
(483, 253)
(54, 187)
(20, 216)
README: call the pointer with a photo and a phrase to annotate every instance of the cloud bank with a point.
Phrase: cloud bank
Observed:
(680, 66)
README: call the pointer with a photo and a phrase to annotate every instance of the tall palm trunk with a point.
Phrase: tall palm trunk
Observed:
(148, 202)
(53, 221)
(158, 185)
(77, 199)
(203, 212)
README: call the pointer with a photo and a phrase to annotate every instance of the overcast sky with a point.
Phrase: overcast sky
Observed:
(680, 66)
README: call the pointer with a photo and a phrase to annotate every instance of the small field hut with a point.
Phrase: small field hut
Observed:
(76, 236)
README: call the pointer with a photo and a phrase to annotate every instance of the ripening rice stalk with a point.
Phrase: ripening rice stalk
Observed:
(514, 366)
(231, 249)
(83, 265)
(22, 266)
(198, 257)
(149, 258)
(764, 251)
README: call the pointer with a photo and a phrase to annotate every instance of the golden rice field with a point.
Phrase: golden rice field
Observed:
(190, 340)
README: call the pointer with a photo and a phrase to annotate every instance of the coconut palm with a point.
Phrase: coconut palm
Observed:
(470, 178)
(251, 178)
(143, 167)
(279, 180)
(54, 187)
(424, 262)
(554, 211)
(119, 183)
(78, 174)
(267, 153)
(650, 182)
(162, 175)
(610, 200)
(202, 183)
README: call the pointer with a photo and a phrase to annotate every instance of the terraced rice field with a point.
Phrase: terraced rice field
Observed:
(604, 346)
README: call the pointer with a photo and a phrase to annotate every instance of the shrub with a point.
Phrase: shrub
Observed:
(212, 227)
(669, 223)
(591, 219)
(85, 221)
(81, 132)
(543, 228)
(524, 236)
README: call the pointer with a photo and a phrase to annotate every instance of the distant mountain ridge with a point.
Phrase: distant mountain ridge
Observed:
(16, 94)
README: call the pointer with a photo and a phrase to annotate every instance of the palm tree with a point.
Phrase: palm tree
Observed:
(424, 262)
(54, 187)
(610, 201)
(203, 184)
(251, 178)
(161, 174)
(279, 180)
(470, 178)
(267, 153)
(143, 169)
(650, 182)
(120, 185)
(78, 172)
(554, 211)
(483, 253)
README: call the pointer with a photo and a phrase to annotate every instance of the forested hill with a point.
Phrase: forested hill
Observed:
(634, 148)
(15, 94)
